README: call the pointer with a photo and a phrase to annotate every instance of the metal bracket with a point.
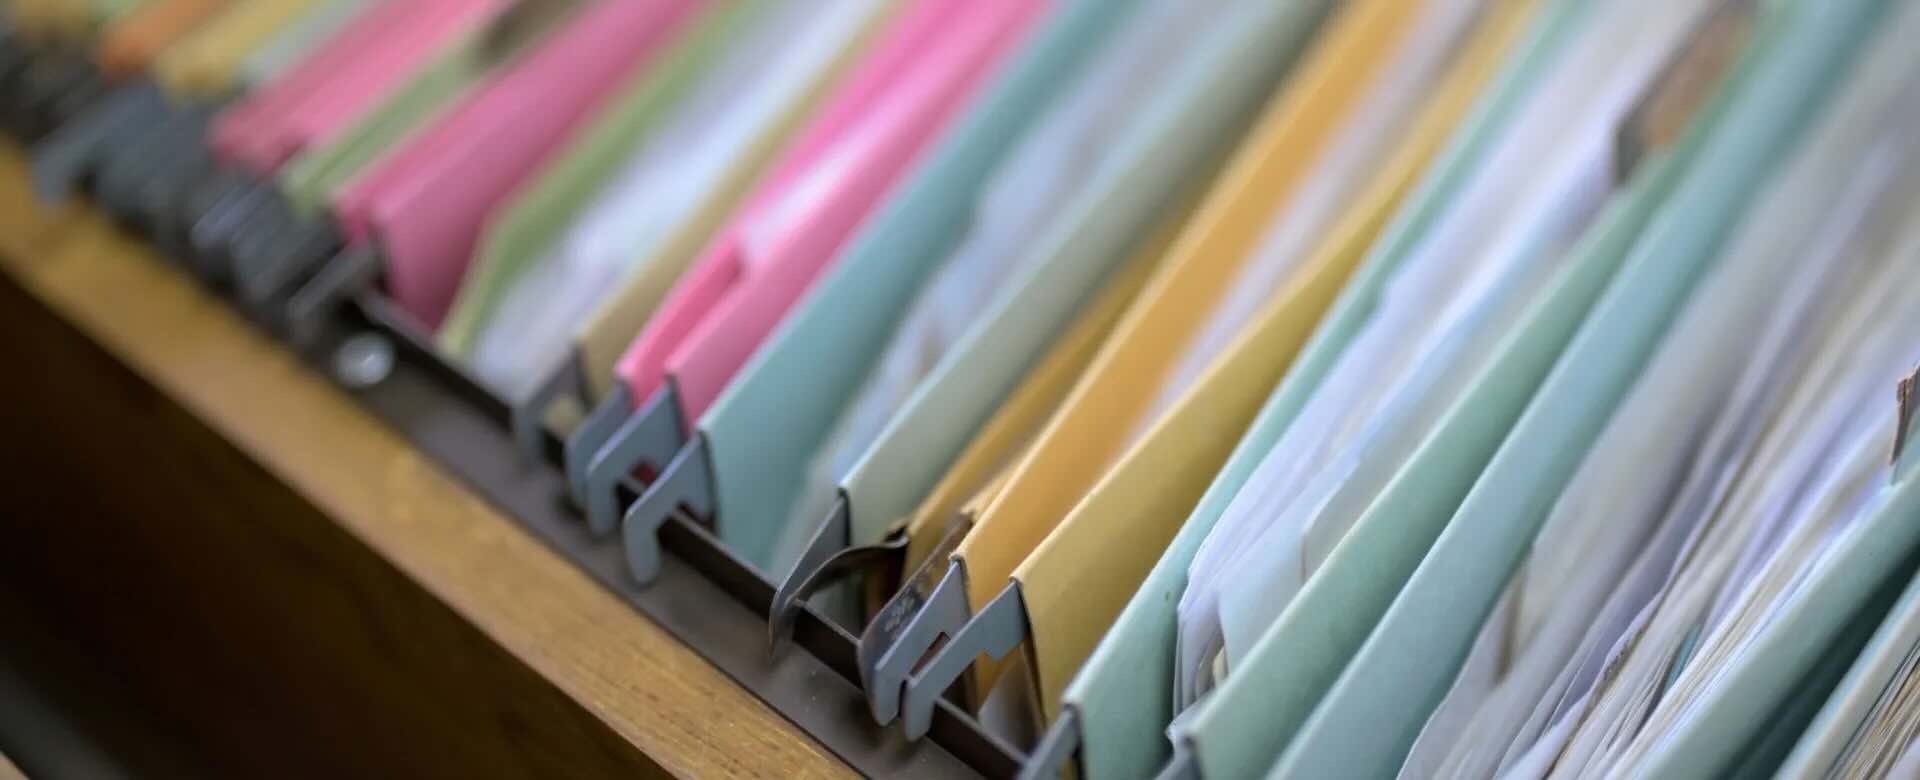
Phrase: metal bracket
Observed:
(996, 630)
(881, 673)
(911, 623)
(347, 273)
(1057, 747)
(593, 433)
(648, 437)
(69, 155)
(829, 558)
(686, 484)
(528, 417)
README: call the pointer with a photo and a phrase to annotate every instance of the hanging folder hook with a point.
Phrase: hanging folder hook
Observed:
(886, 666)
(593, 433)
(648, 438)
(898, 635)
(828, 559)
(995, 631)
(686, 484)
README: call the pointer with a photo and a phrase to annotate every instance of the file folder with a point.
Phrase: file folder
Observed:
(355, 71)
(1795, 56)
(751, 523)
(1115, 704)
(907, 89)
(1841, 729)
(980, 470)
(646, 161)
(1612, 540)
(1028, 192)
(1359, 50)
(539, 214)
(293, 45)
(614, 323)
(1425, 206)
(763, 429)
(1493, 255)
(1227, 84)
(423, 204)
(319, 173)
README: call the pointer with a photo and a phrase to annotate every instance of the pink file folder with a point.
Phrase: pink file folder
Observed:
(930, 61)
(347, 77)
(426, 202)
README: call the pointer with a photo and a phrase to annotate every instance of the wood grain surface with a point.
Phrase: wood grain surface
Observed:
(298, 588)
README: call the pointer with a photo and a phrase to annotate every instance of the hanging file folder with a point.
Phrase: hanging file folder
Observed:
(1784, 72)
(791, 390)
(833, 177)
(1208, 99)
(1362, 48)
(423, 204)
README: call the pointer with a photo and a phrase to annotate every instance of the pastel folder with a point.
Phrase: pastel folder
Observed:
(461, 61)
(1872, 673)
(614, 324)
(1065, 478)
(299, 40)
(905, 92)
(1114, 709)
(981, 469)
(1187, 134)
(424, 204)
(539, 214)
(340, 82)
(206, 64)
(1448, 175)
(1405, 665)
(760, 433)
(751, 525)
(132, 41)
(694, 158)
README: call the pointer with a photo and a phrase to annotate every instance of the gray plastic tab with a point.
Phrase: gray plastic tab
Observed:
(999, 627)
(685, 485)
(914, 627)
(648, 438)
(593, 434)
(889, 626)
